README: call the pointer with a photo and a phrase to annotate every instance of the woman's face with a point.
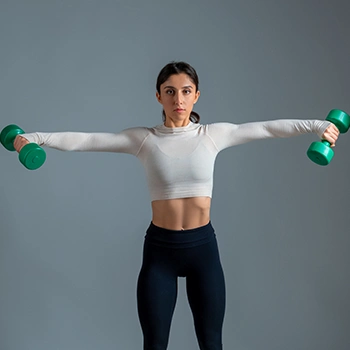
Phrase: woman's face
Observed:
(177, 95)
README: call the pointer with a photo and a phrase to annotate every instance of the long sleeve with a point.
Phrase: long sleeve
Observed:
(127, 141)
(225, 135)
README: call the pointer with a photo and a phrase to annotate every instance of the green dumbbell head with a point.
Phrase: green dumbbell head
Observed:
(8, 135)
(321, 153)
(340, 119)
(31, 155)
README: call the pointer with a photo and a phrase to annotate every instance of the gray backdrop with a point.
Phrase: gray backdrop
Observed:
(72, 232)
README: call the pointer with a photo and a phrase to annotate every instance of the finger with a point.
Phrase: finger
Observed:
(333, 132)
(15, 144)
(334, 136)
(333, 129)
(19, 143)
(332, 141)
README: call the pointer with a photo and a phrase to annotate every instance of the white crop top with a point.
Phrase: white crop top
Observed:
(179, 162)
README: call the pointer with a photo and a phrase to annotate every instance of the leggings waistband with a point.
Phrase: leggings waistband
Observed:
(179, 239)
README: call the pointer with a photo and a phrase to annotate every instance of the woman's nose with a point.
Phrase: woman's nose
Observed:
(178, 99)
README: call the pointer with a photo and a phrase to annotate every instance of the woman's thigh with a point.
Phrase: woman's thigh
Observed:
(206, 295)
(156, 299)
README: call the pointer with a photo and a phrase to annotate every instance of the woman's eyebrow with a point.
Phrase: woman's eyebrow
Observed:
(172, 87)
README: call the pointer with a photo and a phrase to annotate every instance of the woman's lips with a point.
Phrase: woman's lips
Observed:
(179, 110)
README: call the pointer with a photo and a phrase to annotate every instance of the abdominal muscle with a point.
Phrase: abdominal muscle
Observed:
(181, 213)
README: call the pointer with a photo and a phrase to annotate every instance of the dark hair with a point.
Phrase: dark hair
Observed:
(178, 68)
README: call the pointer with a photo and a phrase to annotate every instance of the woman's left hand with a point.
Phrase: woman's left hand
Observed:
(331, 134)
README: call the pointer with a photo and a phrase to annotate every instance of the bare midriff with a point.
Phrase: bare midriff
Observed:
(181, 213)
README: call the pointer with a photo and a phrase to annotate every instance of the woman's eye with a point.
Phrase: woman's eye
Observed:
(169, 92)
(187, 92)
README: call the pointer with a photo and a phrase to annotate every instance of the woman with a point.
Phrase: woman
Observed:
(178, 157)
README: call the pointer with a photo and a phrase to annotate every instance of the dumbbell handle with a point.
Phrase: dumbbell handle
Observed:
(326, 143)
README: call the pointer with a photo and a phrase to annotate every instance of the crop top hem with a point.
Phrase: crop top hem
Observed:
(181, 194)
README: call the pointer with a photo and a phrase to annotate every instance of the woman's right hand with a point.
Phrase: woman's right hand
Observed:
(331, 134)
(19, 143)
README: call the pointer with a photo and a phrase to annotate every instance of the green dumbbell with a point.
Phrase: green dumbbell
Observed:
(32, 156)
(320, 152)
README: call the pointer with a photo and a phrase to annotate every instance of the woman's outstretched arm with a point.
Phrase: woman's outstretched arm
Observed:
(126, 141)
(227, 134)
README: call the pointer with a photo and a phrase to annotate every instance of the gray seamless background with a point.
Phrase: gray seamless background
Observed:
(71, 232)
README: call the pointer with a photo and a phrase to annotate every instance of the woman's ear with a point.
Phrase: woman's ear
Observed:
(198, 93)
(158, 97)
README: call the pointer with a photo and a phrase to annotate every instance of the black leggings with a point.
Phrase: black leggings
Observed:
(168, 255)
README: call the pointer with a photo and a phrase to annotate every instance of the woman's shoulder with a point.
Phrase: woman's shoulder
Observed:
(219, 126)
(138, 130)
